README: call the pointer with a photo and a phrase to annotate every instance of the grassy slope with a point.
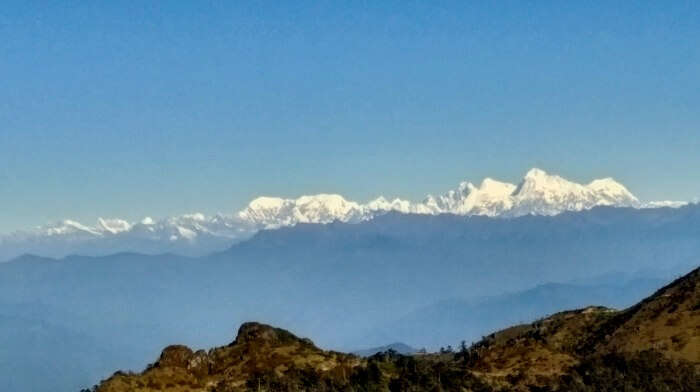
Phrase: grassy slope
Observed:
(652, 346)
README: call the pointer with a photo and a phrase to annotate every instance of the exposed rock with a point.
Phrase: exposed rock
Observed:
(252, 332)
(199, 363)
(175, 356)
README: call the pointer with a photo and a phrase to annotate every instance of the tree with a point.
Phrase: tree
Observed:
(463, 353)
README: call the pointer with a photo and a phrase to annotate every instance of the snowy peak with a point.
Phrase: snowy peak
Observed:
(325, 208)
(266, 210)
(272, 212)
(490, 198)
(538, 184)
(535, 174)
(69, 227)
(496, 188)
(489, 193)
(612, 191)
(538, 193)
(113, 226)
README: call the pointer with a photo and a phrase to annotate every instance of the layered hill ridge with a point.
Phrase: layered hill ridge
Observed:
(652, 346)
(538, 193)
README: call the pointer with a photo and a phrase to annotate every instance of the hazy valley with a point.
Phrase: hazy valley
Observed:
(651, 346)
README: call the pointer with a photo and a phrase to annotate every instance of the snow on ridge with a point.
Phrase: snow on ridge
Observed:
(665, 204)
(113, 226)
(68, 226)
(539, 193)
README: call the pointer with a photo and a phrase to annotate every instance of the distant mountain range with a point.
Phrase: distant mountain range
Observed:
(398, 347)
(451, 320)
(348, 285)
(538, 193)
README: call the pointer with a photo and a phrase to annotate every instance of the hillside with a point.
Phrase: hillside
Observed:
(656, 338)
(260, 355)
(652, 346)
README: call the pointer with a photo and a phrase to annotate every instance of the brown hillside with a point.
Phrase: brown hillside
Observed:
(652, 346)
(667, 322)
(258, 350)
(538, 353)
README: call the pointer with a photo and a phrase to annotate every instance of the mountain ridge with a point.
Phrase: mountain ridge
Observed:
(539, 193)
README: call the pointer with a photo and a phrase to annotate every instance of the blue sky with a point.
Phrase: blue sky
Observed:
(121, 109)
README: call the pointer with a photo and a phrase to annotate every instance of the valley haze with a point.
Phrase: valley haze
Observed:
(350, 286)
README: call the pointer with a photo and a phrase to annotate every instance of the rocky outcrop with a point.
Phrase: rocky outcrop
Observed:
(175, 356)
(257, 333)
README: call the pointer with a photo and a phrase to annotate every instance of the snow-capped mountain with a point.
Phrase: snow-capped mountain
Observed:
(191, 234)
(273, 212)
(539, 193)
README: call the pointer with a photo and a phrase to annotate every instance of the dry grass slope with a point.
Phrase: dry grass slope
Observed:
(652, 346)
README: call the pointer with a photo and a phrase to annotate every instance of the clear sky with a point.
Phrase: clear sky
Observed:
(126, 109)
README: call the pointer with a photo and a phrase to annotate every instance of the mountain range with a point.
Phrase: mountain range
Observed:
(539, 193)
(349, 285)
